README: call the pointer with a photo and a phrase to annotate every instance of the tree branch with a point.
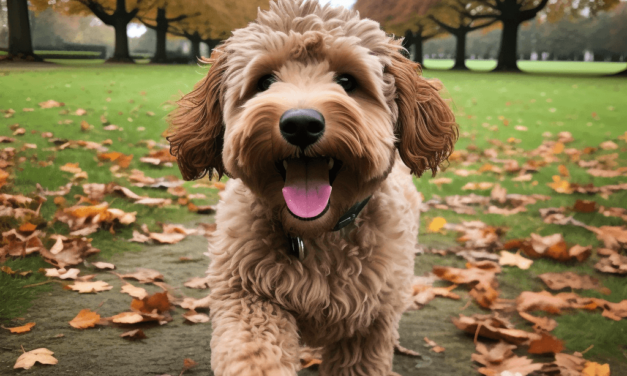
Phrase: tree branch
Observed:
(99, 11)
(444, 26)
(473, 28)
(529, 14)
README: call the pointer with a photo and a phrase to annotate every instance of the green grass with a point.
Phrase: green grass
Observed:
(133, 91)
(593, 109)
(553, 67)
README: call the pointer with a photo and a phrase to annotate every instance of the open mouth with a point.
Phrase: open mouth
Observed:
(308, 184)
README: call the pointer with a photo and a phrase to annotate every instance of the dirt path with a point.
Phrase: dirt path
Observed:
(101, 351)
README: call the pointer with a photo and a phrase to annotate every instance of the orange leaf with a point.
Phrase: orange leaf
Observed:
(27, 227)
(563, 171)
(158, 301)
(596, 369)
(558, 148)
(546, 344)
(21, 329)
(85, 319)
(585, 206)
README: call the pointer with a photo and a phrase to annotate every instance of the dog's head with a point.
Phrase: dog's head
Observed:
(308, 106)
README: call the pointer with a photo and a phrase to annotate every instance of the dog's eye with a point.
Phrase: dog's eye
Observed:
(264, 82)
(347, 82)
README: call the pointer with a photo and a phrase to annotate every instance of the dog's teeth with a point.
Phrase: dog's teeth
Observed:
(285, 164)
(330, 163)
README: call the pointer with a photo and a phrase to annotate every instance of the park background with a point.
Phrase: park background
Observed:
(523, 233)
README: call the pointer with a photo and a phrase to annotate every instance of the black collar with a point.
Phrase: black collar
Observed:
(297, 247)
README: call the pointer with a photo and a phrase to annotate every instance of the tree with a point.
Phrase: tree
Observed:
(115, 13)
(158, 20)
(20, 40)
(424, 30)
(216, 21)
(511, 13)
(451, 16)
(403, 17)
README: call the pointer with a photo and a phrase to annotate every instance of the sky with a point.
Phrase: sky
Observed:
(344, 3)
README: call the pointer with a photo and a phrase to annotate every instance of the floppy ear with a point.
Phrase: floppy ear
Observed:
(425, 129)
(196, 133)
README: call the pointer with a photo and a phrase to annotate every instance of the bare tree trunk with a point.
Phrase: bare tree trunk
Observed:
(507, 53)
(418, 48)
(460, 53)
(408, 40)
(622, 73)
(20, 40)
(161, 54)
(195, 52)
(121, 54)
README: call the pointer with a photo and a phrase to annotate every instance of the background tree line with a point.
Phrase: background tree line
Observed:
(199, 21)
(422, 20)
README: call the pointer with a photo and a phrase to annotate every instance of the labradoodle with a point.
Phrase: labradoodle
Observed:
(320, 121)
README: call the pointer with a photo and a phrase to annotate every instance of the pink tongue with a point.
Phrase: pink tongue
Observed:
(307, 188)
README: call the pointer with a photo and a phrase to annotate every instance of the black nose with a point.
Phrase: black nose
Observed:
(302, 127)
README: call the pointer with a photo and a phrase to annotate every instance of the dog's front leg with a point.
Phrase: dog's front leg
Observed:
(253, 338)
(370, 353)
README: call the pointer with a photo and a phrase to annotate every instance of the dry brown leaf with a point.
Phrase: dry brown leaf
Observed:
(558, 281)
(103, 265)
(508, 258)
(493, 327)
(135, 292)
(585, 206)
(158, 301)
(197, 283)
(28, 359)
(595, 369)
(144, 275)
(127, 318)
(21, 329)
(543, 301)
(195, 317)
(615, 264)
(62, 273)
(546, 344)
(514, 364)
(540, 323)
(134, 334)
(171, 238)
(89, 287)
(85, 319)
(51, 103)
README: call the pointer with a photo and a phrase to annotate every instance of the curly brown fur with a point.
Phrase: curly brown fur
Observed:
(347, 294)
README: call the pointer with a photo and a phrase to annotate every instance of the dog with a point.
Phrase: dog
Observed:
(319, 121)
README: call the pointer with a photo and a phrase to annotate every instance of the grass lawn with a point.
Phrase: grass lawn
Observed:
(549, 67)
(488, 106)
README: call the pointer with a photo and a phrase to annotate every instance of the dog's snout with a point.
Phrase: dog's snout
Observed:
(302, 127)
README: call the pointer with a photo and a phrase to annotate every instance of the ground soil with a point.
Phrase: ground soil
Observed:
(101, 352)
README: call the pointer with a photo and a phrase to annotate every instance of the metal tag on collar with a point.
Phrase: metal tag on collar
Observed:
(297, 247)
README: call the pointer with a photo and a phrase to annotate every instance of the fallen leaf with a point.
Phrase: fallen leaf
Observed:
(144, 275)
(51, 103)
(103, 265)
(197, 283)
(608, 145)
(41, 355)
(558, 281)
(584, 206)
(135, 292)
(85, 319)
(89, 287)
(127, 318)
(546, 344)
(493, 327)
(194, 317)
(543, 301)
(134, 334)
(167, 238)
(158, 301)
(508, 258)
(596, 369)
(540, 323)
(21, 329)
(436, 224)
